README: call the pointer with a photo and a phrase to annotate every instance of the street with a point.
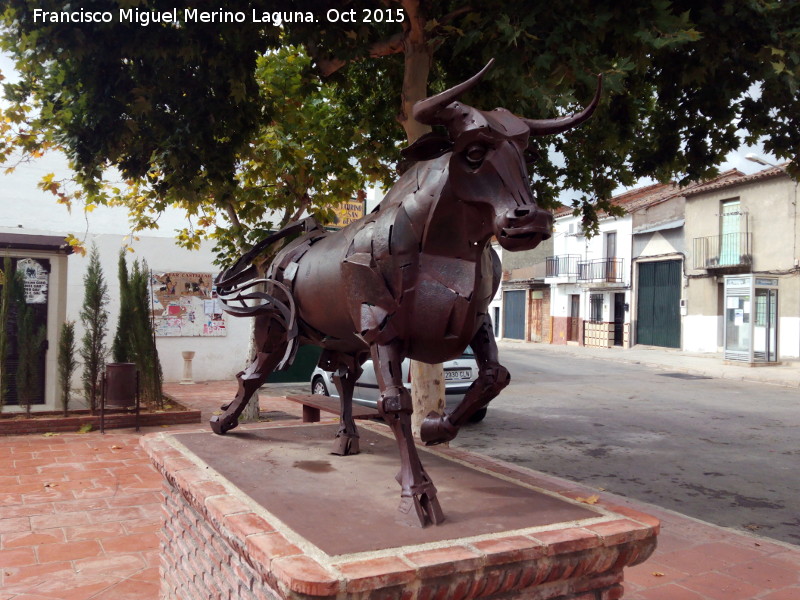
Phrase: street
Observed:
(719, 450)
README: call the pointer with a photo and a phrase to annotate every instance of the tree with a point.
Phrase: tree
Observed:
(686, 83)
(67, 362)
(12, 309)
(94, 317)
(298, 155)
(7, 279)
(681, 80)
(30, 342)
(134, 340)
(142, 336)
(121, 347)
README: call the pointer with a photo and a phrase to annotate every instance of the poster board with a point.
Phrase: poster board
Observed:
(186, 305)
(34, 279)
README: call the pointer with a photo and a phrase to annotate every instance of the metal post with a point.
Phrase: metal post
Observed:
(138, 402)
(103, 404)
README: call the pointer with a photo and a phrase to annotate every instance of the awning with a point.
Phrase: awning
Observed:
(43, 243)
(650, 228)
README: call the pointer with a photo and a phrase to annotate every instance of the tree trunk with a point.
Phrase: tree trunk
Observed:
(417, 56)
(427, 392)
(427, 381)
(251, 411)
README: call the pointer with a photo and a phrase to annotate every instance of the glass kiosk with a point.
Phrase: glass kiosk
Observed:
(751, 319)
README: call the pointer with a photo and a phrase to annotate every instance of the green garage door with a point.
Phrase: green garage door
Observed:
(514, 315)
(658, 316)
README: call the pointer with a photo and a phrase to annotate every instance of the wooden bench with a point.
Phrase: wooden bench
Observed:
(312, 405)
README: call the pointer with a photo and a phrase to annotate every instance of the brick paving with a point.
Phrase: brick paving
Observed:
(80, 516)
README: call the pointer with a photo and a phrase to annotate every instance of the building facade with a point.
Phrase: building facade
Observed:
(743, 229)
(33, 228)
(525, 296)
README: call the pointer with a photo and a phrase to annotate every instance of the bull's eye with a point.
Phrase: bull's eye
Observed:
(475, 153)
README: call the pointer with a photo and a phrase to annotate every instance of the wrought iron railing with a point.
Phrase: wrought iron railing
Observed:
(607, 270)
(563, 265)
(730, 250)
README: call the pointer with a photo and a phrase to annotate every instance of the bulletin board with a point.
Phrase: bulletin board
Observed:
(186, 305)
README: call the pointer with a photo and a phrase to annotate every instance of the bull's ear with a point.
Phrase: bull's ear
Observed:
(429, 146)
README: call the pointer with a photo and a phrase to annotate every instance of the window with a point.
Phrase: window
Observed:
(596, 308)
(730, 226)
(611, 244)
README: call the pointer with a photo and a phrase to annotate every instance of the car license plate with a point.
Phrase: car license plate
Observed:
(457, 374)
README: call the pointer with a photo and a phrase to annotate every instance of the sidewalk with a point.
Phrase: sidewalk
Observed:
(80, 517)
(787, 373)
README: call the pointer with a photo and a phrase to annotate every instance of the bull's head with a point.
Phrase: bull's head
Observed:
(488, 162)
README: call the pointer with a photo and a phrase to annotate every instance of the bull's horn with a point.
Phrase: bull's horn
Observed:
(425, 110)
(549, 126)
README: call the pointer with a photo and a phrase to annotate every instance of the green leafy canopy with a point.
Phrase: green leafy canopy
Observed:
(227, 120)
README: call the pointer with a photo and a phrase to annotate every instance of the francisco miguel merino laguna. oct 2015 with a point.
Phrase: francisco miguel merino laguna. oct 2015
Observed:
(186, 15)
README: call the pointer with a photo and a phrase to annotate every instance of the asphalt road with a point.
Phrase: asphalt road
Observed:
(726, 452)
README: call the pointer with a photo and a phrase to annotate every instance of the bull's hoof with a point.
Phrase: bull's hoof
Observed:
(345, 445)
(437, 429)
(420, 511)
(222, 426)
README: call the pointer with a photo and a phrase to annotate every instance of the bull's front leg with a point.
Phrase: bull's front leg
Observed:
(492, 378)
(418, 503)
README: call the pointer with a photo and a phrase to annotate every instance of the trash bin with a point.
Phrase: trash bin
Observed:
(121, 385)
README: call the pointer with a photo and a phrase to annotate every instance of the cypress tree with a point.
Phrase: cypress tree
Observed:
(143, 337)
(66, 362)
(121, 350)
(12, 337)
(7, 282)
(135, 340)
(30, 340)
(94, 317)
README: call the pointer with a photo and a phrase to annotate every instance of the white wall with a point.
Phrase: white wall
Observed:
(215, 357)
(788, 337)
(700, 333)
(496, 305)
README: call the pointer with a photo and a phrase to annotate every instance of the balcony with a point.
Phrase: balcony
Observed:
(728, 253)
(563, 267)
(602, 270)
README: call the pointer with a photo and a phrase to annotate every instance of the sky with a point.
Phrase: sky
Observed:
(24, 206)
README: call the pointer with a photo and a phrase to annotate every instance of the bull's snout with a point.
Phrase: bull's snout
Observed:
(524, 227)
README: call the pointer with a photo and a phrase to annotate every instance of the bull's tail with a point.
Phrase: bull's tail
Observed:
(243, 293)
(271, 299)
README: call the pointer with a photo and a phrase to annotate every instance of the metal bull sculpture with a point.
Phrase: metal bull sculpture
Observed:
(414, 278)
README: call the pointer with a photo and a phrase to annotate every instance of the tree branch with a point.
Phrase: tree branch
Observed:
(328, 66)
(301, 208)
(232, 214)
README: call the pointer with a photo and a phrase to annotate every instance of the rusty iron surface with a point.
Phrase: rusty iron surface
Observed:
(339, 503)
(414, 278)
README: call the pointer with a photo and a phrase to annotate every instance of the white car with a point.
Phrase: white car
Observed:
(458, 376)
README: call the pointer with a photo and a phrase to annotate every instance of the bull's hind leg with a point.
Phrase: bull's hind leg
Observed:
(492, 378)
(346, 370)
(270, 338)
(418, 503)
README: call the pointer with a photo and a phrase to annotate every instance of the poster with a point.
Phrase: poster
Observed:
(34, 278)
(185, 304)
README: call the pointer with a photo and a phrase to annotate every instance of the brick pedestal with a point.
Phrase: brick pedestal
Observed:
(267, 513)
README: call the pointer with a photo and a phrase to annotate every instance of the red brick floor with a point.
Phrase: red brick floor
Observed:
(80, 517)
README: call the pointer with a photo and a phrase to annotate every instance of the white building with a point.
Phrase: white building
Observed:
(590, 281)
(33, 226)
